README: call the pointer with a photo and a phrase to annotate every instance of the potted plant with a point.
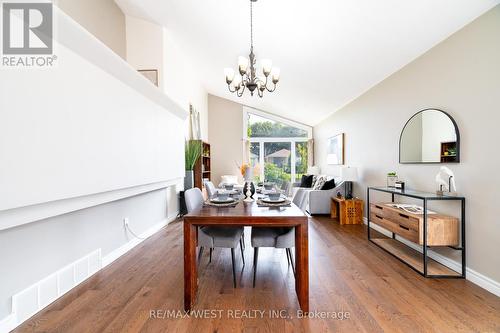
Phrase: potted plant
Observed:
(192, 153)
(392, 177)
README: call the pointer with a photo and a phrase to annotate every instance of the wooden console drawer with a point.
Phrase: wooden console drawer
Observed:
(398, 229)
(442, 230)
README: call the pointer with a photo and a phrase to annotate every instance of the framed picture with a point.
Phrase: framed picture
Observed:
(335, 153)
(151, 75)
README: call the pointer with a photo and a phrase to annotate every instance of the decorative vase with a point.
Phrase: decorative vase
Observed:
(249, 191)
(391, 181)
(189, 180)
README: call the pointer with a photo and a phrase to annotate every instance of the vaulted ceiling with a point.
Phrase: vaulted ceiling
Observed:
(329, 51)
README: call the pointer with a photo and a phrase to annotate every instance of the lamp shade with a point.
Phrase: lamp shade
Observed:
(313, 170)
(349, 174)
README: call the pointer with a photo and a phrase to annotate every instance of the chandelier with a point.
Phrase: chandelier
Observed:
(247, 72)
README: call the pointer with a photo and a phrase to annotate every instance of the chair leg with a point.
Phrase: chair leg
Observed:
(255, 257)
(242, 254)
(210, 260)
(287, 257)
(243, 239)
(200, 254)
(234, 269)
(289, 250)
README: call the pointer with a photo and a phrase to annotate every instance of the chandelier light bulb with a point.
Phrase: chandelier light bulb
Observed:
(276, 75)
(242, 64)
(267, 65)
(229, 73)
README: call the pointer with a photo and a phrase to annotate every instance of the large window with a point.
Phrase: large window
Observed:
(278, 146)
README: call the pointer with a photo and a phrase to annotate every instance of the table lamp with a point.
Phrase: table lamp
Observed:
(349, 175)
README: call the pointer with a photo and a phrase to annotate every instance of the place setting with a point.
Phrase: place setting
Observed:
(222, 199)
(273, 199)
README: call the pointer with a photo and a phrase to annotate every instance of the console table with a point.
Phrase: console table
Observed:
(425, 230)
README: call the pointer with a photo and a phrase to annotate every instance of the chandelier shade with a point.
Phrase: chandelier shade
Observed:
(246, 76)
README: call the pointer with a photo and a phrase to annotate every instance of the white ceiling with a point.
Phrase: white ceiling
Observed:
(329, 51)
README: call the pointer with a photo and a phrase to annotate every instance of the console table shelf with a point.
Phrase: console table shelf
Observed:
(425, 230)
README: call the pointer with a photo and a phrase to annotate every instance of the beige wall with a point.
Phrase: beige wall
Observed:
(461, 76)
(102, 18)
(225, 128)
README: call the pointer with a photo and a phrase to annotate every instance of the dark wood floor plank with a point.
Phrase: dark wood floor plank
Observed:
(347, 273)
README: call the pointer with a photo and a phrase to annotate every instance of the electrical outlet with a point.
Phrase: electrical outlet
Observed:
(125, 222)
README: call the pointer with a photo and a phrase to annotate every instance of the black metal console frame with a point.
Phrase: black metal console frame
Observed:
(425, 197)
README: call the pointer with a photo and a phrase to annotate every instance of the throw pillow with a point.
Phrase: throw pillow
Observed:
(306, 181)
(320, 181)
(328, 185)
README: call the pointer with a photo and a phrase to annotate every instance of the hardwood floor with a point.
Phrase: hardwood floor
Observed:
(347, 274)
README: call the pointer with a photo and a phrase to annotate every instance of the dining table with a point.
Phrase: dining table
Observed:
(256, 216)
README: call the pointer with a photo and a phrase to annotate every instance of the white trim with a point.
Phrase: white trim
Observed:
(17, 216)
(471, 275)
(274, 139)
(12, 321)
(8, 323)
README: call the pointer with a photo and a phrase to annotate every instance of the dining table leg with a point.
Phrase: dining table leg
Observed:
(302, 265)
(190, 274)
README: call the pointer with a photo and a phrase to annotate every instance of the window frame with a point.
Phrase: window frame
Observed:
(247, 111)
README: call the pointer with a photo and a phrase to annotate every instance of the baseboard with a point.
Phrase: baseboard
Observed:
(117, 253)
(8, 323)
(36, 297)
(471, 275)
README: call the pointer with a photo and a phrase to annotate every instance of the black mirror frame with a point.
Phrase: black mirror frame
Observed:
(456, 131)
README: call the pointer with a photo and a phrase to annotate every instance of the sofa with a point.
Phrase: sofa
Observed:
(316, 201)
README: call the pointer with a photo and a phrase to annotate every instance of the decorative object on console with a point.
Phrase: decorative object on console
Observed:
(445, 179)
(399, 185)
(247, 76)
(192, 153)
(335, 150)
(392, 177)
(349, 175)
(430, 136)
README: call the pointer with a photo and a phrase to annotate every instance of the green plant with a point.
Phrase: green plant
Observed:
(192, 153)
(392, 174)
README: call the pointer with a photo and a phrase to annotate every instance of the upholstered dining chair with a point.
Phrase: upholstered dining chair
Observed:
(281, 238)
(212, 237)
(211, 190)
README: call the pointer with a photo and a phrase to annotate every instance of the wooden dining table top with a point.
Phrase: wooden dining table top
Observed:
(250, 211)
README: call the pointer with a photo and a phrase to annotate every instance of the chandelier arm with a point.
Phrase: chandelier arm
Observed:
(272, 89)
(240, 92)
(229, 87)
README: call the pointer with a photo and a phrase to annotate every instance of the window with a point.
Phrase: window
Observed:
(277, 145)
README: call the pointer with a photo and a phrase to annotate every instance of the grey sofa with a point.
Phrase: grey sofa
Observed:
(316, 202)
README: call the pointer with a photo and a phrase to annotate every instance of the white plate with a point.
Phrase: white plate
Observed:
(217, 200)
(268, 200)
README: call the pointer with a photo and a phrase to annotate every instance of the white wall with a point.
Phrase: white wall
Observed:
(181, 80)
(460, 76)
(145, 46)
(225, 123)
(102, 18)
(87, 132)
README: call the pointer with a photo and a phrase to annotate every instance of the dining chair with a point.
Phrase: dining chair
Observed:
(280, 238)
(211, 190)
(212, 237)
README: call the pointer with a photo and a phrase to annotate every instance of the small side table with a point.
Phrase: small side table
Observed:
(347, 211)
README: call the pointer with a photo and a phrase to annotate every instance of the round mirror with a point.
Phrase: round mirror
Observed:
(430, 136)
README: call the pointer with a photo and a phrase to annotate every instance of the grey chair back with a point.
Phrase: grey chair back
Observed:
(194, 199)
(298, 199)
(211, 191)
